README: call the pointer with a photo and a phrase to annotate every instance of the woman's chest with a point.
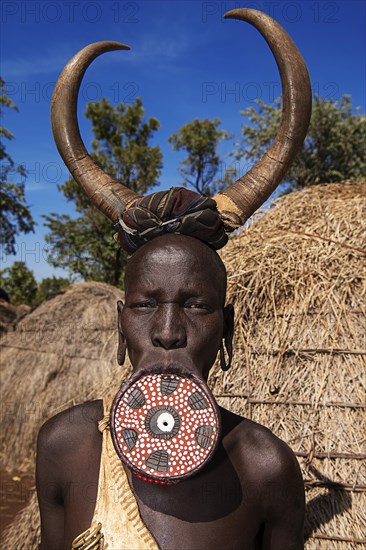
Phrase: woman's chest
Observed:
(236, 531)
(205, 513)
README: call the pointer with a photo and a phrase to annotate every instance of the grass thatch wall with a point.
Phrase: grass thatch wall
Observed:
(297, 280)
(58, 356)
(10, 315)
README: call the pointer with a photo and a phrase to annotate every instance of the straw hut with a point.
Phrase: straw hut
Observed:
(10, 315)
(298, 287)
(297, 280)
(57, 356)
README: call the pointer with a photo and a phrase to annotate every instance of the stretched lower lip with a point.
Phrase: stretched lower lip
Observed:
(165, 368)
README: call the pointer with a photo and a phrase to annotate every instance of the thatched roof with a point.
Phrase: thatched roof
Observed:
(57, 356)
(10, 315)
(297, 283)
(297, 280)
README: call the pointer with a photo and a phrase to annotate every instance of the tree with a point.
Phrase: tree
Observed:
(200, 139)
(84, 245)
(15, 214)
(19, 282)
(334, 149)
(50, 286)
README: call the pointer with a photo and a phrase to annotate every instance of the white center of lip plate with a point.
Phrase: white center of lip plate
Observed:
(165, 422)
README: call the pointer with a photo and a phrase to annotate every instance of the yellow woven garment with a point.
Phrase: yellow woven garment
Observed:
(116, 523)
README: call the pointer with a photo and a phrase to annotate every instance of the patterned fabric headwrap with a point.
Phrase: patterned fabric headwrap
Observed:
(177, 210)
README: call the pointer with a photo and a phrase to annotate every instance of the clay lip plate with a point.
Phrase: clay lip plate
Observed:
(165, 426)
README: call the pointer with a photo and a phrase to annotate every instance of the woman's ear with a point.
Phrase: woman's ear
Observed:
(229, 331)
(121, 350)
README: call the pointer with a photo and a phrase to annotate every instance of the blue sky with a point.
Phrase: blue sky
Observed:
(185, 62)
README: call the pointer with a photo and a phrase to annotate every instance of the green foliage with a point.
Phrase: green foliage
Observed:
(21, 286)
(19, 282)
(50, 286)
(200, 139)
(15, 214)
(334, 149)
(84, 245)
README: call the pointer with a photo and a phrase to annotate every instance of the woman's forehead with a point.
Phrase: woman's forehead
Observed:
(175, 257)
(163, 267)
(179, 257)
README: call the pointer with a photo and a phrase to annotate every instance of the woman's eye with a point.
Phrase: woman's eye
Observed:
(144, 305)
(196, 305)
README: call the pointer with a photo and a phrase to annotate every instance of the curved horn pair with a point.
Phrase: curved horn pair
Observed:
(237, 203)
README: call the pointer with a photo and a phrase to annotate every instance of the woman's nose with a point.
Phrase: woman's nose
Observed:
(168, 331)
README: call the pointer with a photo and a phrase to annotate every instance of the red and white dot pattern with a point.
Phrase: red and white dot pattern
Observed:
(162, 438)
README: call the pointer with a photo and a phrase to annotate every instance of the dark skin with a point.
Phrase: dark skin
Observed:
(251, 493)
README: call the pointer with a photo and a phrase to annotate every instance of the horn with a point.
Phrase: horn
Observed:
(237, 203)
(106, 193)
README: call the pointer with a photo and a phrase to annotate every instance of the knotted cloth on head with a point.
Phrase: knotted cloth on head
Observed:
(177, 210)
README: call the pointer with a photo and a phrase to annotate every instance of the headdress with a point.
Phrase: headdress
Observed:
(179, 210)
(166, 427)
